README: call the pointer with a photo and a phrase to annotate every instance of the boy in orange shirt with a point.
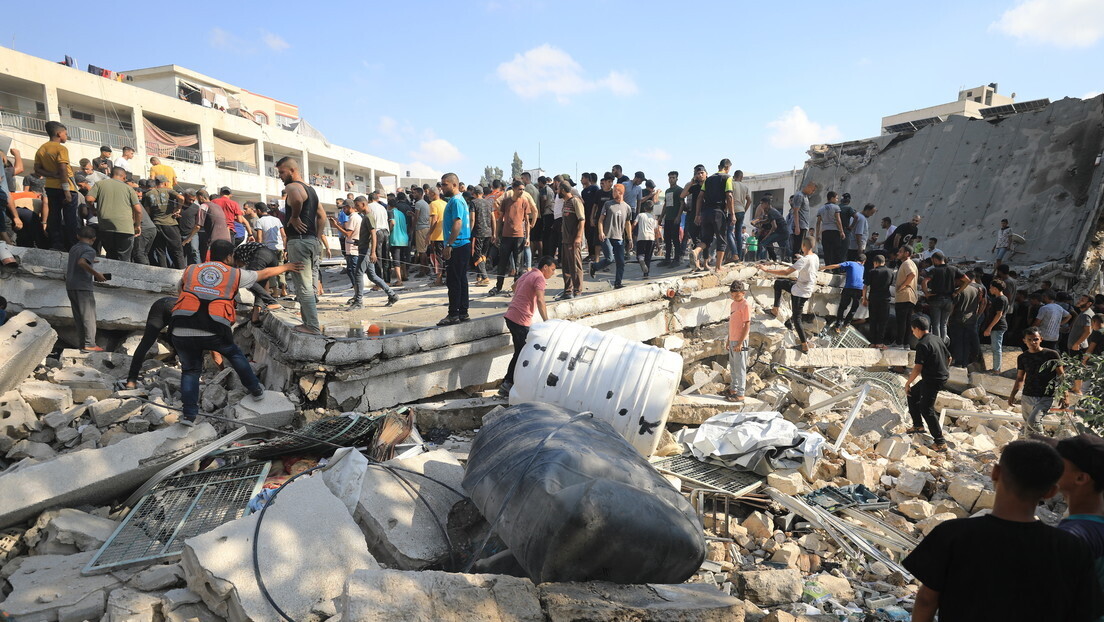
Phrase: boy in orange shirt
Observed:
(739, 325)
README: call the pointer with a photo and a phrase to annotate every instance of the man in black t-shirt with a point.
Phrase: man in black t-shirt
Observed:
(903, 234)
(1006, 565)
(1096, 338)
(939, 288)
(1036, 372)
(689, 200)
(932, 360)
(877, 296)
(997, 321)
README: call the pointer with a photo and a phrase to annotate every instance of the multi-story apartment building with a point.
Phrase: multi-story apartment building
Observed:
(212, 133)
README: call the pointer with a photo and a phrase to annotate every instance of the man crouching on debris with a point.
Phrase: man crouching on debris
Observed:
(932, 361)
(739, 325)
(1006, 565)
(203, 319)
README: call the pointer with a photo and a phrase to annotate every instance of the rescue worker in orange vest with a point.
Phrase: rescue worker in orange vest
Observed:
(203, 317)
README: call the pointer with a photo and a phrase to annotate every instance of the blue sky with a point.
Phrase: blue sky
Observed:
(459, 85)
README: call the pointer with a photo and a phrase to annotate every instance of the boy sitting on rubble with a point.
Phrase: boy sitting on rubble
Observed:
(739, 325)
(1006, 565)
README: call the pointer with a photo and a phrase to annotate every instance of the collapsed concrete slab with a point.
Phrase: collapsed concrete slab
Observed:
(46, 397)
(397, 596)
(50, 587)
(992, 383)
(695, 409)
(400, 531)
(127, 605)
(25, 340)
(609, 602)
(308, 546)
(84, 382)
(92, 475)
(274, 410)
(870, 358)
(72, 531)
(17, 419)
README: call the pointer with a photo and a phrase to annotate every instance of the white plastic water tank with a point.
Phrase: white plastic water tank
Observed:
(627, 383)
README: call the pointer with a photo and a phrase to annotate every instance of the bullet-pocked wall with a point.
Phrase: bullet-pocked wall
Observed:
(1040, 170)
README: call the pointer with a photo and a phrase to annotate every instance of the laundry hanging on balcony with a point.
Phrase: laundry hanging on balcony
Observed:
(162, 144)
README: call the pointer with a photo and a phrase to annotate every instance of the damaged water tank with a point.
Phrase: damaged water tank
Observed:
(625, 383)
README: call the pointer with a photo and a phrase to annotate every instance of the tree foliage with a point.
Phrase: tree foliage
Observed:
(516, 167)
(1090, 405)
(490, 173)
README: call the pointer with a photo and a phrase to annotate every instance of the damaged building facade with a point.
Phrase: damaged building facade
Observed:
(374, 480)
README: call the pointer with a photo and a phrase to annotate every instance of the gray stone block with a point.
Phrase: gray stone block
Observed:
(25, 340)
(597, 601)
(50, 587)
(73, 531)
(308, 547)
(127, 605)
(274, 410)
(17, 419)
(94, 475)
(109, 411)
(399, 596)
(84, 382)
(46, 397)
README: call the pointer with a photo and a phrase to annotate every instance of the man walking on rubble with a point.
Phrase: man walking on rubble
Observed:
(1037, 368)
(932, 361)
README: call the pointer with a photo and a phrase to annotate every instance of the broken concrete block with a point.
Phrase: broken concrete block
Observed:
(378, 595)
(893, 447)
(911, 482)
(308, 546)
(62, 418)
(27, 448)
(1005, 434)
(17, 418)
(926, 525)
(92, 476)
(400, 531)
(985, 500)
(916, 509)
(770, 587)
(51, 587)
(274, 410)
(159, 577)
(950, 506)
(597, 601)
(72, 531)
(787, 483)
(997, 385)
(869, 358)
(976, 394)
(127, 605)
(114, 410)
(84, 382)
(787, 554)
(958, 381)
(25, 340)
(838, 586)
(859, 471)
(759, 525)
(695, 409)
(965, 490)
(946, 399)
(46, 397)
(982, 443)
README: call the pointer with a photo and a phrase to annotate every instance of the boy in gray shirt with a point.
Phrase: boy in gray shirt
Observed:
(79, 278)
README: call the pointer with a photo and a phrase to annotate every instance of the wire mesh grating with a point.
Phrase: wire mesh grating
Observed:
(347, 430)
(177, 509)
(850, 338)
(714, 476)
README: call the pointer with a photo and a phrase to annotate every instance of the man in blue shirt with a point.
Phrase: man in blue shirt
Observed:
(851, 294)
(633, 193)
(457, 231)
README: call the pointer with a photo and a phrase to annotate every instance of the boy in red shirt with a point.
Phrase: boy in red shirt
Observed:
(739, 325)
(528, 298)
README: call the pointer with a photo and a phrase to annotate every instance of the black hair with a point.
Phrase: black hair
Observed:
(545, 261)
(921, 323)
(675, 173)
(1003, 268)
(725, 163)
(879, 259)
(998, 284)
(221, 249)
(53, 128)
(832, 194)
(933, 240)
(867, 207)
(3, 303)
(86, 233)
(1031, 330)
(938, 256)
(1030, 469)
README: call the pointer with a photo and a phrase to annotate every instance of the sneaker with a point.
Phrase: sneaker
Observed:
(257, 395)
(188, 422)
(356, 305)
(569, 295)
(939, 446)
(465, 317)
(391, 300)
(915, 431)
(449, 320)
(494, 291)
(618, 285)
(564, 295)
(352, 300)
(593, 270)
(647, 270)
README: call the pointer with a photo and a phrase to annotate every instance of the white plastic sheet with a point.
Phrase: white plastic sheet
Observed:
(754, 441)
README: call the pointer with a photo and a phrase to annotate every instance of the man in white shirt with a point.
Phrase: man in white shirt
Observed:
(1050, 318)
(805, 271)
(123, 161)
(931, 249)
(351, 232)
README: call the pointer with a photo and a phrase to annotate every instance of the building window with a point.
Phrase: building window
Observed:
(40, 107)
(969, 93)
(261, 117)
(82, 116)
(285, 121)
(977, 99)
(126, 126)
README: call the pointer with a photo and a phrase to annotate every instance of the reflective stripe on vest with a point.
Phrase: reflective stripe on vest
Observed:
(212, 287)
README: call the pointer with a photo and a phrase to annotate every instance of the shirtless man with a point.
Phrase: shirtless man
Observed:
(306, 222)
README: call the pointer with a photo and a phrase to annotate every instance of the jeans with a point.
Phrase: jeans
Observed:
(921, 405)
(168, 243)
(879, 320)
(263, 258)
(159, 315)
(737, 367)
(832, 242)
(1033, 409)
(735, 236)
(671, 241)
(509, 248)
(616, 249)
(518, 333)
(116, 245)
(997, 337)
(644, 251)
(363, 266)
(904, 315)
(62, 221)
(352, 268)
(940, 307)
(190, 352)
(797, 305)
(456, 279)
(83, 304)
(191, 250)
(850, 299)
(795, 241)
(766, 245)
(308, 251)
(482, 245)
(140, 250)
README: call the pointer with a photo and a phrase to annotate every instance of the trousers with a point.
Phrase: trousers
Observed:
(921, 405)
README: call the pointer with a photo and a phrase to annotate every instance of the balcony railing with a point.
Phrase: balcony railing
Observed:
(234, 165)
(99, 137)
(182, 154)
(23, 123)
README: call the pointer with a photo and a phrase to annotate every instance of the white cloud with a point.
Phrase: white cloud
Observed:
(1062, 23)
(275, 42)
(437, 151)
(423, 170)
(655, 154)
(220, 39)
(548, 70)
(795, 129)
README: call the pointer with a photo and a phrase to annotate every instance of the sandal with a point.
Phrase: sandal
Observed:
(915, 431)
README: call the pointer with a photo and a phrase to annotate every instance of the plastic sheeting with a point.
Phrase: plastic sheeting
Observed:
(226, 151)
(162, 144)
(754, 441)
(574, 501)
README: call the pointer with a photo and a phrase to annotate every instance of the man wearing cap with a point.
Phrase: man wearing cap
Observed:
(103, 163)
(1082, 484)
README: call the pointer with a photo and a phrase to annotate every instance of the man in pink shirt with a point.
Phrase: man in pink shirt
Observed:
(528, 297)
(739, 325)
